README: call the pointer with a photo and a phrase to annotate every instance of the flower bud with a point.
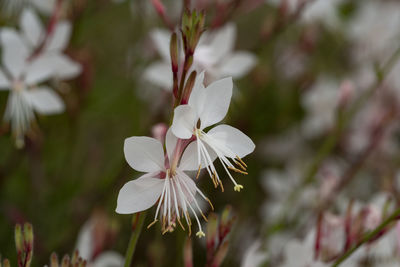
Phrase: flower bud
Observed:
(19, 241)
(212, 231)
(220, 254)
(28, 236)
(188, 87)
(173, 48)
(6, 263)
(53, 260)
(65, 261)
(192, 28)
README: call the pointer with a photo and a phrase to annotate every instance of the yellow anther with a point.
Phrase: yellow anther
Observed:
(239, 164)
(180, 223)
(238, 187)
(198, 172)
(200, 234)
(222, 187)
(152, 223)
(241, 161)
(209, 202)
(237, 170)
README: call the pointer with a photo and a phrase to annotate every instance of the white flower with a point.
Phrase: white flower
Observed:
(320, 103)
(254, 256)
(301, 254)
(27, 63)
(164, 182)
(215, 54)
(325, 10)
(86, 247)
(206, 107)
(13, 6)
(375, 29)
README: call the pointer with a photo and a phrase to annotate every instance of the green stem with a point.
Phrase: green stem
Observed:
(137, 226)
(368, 237)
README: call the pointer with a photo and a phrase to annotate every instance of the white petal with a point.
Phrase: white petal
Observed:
(85, 242)
(198, 96)
(223, 40)
(216, 102)
(184, 121)
(189, 160)
(109, 259)
(238, 64)
(31, 27)
(39, 70)
(233, 139)
(139, 195)
(144, 154)
(4, 82)
(159, 74)
(161, 40)
(170, 143)
(15, 52)
(64, 68)
(59, 39)
(45, 101)
(44, 6)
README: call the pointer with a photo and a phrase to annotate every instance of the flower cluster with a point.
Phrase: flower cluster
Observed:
(30, 58)
(188, 146)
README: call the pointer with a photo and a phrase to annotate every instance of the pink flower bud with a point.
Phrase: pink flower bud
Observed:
(159, 131)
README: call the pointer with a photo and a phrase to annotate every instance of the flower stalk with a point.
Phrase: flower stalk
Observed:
(368, 237)
(137, 226)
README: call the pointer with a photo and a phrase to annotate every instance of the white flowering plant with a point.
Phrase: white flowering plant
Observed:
(199, 133)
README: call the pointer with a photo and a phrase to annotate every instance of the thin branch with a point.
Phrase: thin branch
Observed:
(368, 237)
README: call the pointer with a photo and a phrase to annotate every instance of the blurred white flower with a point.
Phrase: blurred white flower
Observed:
(206, 107)
(86, 246)
(171, 187)
(27, 62)
(14, 6)
(215, 54)
(320, 102)
(322, 10)
(254, 256)
(375, 29)
(301, 253)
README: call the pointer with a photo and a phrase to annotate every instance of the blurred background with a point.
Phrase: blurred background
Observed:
(321, 103)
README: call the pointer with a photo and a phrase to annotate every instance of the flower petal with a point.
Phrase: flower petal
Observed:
(59, 39)
(170, 143)
(198, 96)
(189, 160)
(184, 121)
(144, 154)
(216, 102)
(15, 52)
(223, 40)
(39, 70)
(109, 259)
(4, 82)
(159, 74)
(85, 243)
(64, 68)
(161, 40)
(45, 101)
(44, 6)
(31, 27)
(228, 137)
(139, 195)
(238, 64)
